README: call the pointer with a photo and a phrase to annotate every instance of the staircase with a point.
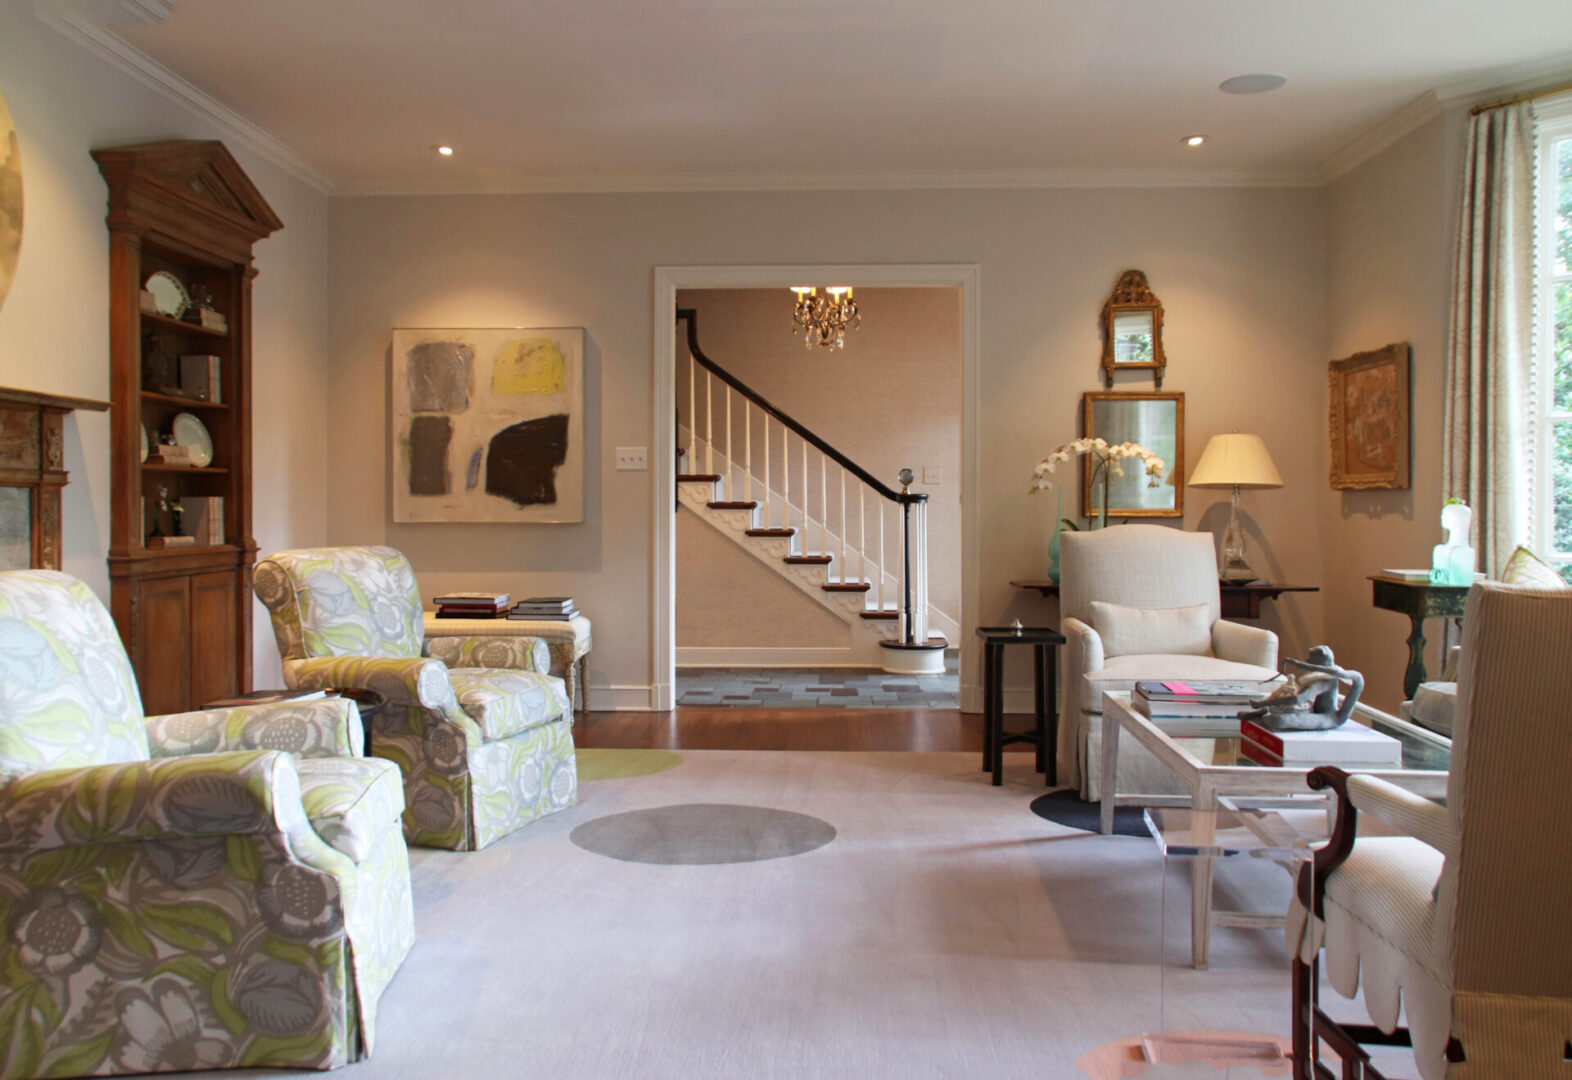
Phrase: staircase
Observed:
(813, 516)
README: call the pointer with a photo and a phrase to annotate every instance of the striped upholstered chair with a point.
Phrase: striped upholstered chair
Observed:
(1462, 921)
(483, 734)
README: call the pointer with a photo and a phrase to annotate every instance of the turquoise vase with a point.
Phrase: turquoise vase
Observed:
(1053, 542)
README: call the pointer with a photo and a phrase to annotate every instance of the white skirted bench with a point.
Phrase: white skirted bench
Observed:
(569, 642)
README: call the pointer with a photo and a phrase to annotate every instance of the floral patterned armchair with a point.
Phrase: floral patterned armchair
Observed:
(483, 734)
(211, 889)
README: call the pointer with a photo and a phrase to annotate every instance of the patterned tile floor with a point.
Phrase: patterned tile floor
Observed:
(811, 688)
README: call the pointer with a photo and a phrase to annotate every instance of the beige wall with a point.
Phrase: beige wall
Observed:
(1392, 228)
(726, 599)
(1242, 274)
(889, 400)
(54, 327)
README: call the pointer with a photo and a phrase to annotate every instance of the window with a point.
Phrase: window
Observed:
(1552, 498)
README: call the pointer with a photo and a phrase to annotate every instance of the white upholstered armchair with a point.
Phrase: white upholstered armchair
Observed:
(1462, 922)
(1141, 602)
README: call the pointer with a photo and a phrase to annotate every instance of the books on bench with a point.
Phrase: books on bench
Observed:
(472, 605)
(545, 608)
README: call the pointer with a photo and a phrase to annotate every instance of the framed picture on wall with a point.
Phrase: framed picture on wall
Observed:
(488, 425)
(1368, 419)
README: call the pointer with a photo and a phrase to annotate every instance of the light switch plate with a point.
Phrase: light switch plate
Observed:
(632, 458)
(932, 474)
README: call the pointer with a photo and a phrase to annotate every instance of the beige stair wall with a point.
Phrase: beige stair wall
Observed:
(726, 599)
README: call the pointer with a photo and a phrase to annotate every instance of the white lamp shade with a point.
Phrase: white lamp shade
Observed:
(1235, 459)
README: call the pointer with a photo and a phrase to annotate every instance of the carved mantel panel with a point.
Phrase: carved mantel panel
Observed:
(32, 472)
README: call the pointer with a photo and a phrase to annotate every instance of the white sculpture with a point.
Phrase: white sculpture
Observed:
(1452, 563)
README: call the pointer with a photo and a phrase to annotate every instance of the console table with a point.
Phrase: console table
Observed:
(1419, 600)
(1239, 601)
(569, 642)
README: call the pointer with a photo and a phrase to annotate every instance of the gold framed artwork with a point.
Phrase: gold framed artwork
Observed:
(10, 201)
(1368, 419)
(1154, 420)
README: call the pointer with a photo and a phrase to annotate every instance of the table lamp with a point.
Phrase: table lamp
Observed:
(1236, 461)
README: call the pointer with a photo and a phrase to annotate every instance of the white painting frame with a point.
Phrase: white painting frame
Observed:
(488, 424)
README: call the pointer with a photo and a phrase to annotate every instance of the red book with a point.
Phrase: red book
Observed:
(1348, 742)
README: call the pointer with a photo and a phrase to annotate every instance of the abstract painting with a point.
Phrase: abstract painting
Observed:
(1369, 419)
(488, 425)
(10, 201)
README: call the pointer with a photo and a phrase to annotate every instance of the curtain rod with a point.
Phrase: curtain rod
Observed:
(1530, 96)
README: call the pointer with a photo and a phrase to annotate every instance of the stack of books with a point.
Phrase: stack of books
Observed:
(549, 608)
(1349, 746)
(472, 605)
(1176, 699)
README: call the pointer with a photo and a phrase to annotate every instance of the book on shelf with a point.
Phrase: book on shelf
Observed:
(200, 377)
(1348, 742)
(1254, 751)
(203, 518)
(473, 599)
(171, 541)
(167, 454)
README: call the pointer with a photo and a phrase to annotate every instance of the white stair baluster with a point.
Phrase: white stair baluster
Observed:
(693, 420)
(731, 457)
(881, 554)
(709, 427)
(824, 503)
(844, 529)
(767, 500)
(805, 496)
(747, 453)
(862, 540)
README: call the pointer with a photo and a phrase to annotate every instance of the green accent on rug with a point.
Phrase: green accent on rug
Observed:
(621, 764)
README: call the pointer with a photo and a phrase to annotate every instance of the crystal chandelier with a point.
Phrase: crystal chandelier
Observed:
(824, 317)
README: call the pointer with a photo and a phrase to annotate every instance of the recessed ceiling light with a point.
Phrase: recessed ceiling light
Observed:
(1251, 84)
(1194, 140)
(445, 151)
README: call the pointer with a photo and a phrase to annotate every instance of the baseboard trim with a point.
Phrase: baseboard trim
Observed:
(622, 699)
(704, 656)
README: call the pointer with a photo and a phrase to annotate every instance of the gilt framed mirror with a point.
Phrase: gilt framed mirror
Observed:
(1152, 420)
(1133, 329)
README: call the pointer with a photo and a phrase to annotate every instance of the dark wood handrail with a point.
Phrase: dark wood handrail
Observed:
(692, 318)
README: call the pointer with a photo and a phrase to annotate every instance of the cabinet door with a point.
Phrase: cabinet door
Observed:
(213, 637)
(163, 662)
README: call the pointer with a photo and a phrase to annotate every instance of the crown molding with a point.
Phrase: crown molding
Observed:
(1373, 140)
(1506, 82)
(87, 33)
(741, 182)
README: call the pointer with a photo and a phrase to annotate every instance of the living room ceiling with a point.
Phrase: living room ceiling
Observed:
(712, 93)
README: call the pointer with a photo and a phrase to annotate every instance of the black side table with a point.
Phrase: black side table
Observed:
(1045, 733)
(369, 702)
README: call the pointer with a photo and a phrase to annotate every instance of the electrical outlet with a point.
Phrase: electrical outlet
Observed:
(632, 458)
(932, 474)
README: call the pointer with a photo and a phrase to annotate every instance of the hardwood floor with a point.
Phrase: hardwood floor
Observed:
(720, 728)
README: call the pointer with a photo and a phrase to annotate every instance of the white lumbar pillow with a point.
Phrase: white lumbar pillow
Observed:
(1128, 631)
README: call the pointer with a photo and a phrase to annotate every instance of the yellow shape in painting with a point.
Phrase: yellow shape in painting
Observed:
(10, 201)
(528, 366)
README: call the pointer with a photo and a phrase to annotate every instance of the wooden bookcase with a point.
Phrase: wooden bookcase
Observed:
(183, 612)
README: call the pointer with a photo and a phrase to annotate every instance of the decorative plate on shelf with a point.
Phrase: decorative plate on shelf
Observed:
(189, 431)
(169, 295)
(143, 458)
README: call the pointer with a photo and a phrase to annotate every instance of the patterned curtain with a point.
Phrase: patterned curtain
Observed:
(1488, 437)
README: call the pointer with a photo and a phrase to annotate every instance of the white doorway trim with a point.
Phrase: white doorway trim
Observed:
(663, 460)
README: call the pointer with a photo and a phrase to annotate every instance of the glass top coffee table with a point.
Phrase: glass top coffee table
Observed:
(1206, 755)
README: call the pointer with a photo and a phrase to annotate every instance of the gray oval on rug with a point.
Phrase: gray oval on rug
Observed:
(690, 834)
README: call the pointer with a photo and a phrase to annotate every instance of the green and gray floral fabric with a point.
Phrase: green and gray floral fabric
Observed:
(352, 601)
(184, 912)
(481, 732)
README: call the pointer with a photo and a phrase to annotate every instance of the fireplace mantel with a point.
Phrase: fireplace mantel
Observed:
(32, 472)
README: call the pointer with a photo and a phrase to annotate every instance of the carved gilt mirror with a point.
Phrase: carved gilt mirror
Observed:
(1133, 329)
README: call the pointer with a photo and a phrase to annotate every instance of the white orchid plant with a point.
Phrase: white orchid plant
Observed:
(1107, 459)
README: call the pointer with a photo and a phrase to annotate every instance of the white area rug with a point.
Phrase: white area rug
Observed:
(946, 931)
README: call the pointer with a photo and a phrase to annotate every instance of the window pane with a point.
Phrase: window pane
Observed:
(1563, 239)
(1561, 485)
(1561, 370)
